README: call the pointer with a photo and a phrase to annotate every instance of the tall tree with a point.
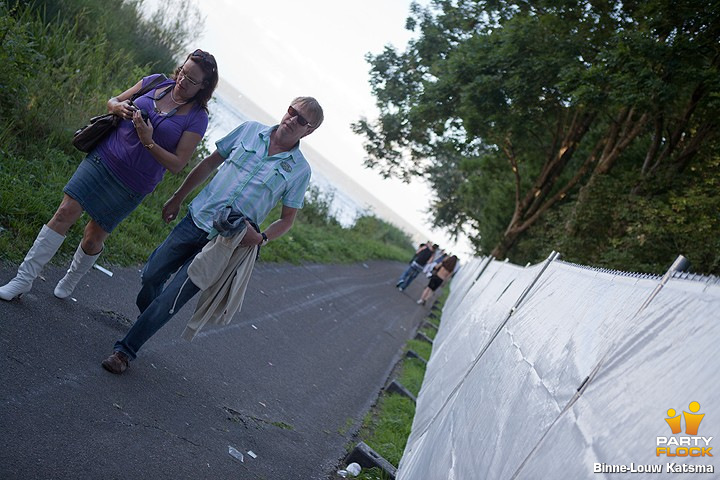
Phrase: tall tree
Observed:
(510, 108)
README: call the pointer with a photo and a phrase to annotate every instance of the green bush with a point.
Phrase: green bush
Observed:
(318, 237)
(317, 208)
(61, 70)
(638, 230)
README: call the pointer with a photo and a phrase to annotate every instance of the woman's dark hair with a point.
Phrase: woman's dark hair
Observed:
(449, 263)
(209, 67)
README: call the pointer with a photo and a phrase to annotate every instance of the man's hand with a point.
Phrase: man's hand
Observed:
(251, 237)
(171, 209)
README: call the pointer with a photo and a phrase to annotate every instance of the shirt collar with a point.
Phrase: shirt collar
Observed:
(292, 153)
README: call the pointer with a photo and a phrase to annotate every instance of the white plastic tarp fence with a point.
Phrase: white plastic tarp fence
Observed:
(572, 377)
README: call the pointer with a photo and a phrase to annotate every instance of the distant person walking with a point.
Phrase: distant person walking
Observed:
(442, 272)
(127, 165)
(422, 256)
(437, 257)
(259, 165)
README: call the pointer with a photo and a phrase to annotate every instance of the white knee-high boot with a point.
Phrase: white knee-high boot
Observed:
(46, 244)
(81, 263)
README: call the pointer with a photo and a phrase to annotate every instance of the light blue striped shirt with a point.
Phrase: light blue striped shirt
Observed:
(250, 180)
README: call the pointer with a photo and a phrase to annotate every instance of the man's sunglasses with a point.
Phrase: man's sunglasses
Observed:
(205, 57)
(301, 120)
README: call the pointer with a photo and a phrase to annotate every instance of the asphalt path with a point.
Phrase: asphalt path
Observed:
(290, 379)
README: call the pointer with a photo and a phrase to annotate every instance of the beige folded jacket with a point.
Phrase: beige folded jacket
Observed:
(222, 272)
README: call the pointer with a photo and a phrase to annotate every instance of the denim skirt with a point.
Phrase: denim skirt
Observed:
(101, 194)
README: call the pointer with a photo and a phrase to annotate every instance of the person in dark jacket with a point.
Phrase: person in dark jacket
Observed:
(422, 256)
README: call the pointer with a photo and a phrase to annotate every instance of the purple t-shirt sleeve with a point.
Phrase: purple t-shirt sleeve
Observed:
(198, 121)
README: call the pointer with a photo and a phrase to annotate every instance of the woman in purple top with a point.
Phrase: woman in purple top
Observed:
(125, 166)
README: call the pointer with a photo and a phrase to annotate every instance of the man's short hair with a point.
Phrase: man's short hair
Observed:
(312, 109)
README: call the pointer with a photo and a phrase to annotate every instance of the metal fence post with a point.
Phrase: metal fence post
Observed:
(680, 264)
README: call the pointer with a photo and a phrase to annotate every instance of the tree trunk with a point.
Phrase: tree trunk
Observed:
(506, 242)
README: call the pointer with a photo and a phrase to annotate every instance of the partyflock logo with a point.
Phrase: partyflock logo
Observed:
(678, 445)
(689, 445)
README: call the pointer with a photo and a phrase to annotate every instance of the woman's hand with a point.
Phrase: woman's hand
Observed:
(124, 109)
(144, 129)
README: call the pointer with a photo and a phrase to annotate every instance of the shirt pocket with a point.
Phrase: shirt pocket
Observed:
(277, 181)
(240, 154)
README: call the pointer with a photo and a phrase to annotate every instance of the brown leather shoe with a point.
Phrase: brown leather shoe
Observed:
(116, 363)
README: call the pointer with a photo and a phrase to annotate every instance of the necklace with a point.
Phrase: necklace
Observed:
(172, 97)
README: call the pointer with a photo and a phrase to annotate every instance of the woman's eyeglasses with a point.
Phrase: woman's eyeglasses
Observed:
(301, 120)
(205, 57)
(185, 76)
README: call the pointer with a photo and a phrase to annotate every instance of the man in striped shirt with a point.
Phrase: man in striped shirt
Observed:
(258, 166)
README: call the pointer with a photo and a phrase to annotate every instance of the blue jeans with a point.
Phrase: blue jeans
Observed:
(409, 275)
(156, 302)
